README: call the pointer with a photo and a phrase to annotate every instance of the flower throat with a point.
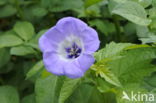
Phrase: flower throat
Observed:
(73, 52)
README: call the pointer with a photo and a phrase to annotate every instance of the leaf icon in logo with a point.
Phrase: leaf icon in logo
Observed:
(125, 96)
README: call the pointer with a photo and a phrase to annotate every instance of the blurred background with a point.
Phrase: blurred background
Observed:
(22, 22)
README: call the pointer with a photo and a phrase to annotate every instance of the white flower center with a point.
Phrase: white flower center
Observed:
(70, 48)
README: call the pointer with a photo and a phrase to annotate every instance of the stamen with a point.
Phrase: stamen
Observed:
(73, 52)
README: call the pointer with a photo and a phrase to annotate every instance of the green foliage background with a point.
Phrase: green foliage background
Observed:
(126, 60)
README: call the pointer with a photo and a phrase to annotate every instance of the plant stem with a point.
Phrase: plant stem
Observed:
(19, 9)
(118, 30)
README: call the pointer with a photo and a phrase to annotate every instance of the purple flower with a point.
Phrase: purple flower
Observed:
(68, 47)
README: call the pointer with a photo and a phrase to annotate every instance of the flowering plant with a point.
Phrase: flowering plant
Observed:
(77, 51)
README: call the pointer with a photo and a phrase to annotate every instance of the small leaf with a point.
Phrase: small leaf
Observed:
(8, 94)
(24, 29)
(36, 68)
(9, 39)
(22, 50)
(67, 89)
(133, 12)
(7, 10)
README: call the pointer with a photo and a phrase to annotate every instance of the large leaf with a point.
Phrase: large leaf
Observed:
(8, 94)
(134, 65)
(9, 39)
(67, 89)
(47, 89)
(130, 61)
(132, 11)
(24, 29)
(131, 64)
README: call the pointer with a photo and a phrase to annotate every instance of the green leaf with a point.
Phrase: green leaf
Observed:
(4, 57)
(67, 89)
(142, 31)
(151, 81)
(6, 11)
(92, 11)
(91, 2)
(111, 50)
(39, 12)
(154, 3)
(2, 2)
(8, 94)
(29, 99)
(129, 66)
(102, 85)
(57, 6)
(133, 12)
(145, 35)
(146, 3)
(134, 65)
(103, 26)
(35, 69)
(150, 39)
(34, 42)
(89, 94)
(152, 15)
(102, 69)
(9, 39)
(24, 29)
(47, 89)
(130, 29)
(22, 50)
